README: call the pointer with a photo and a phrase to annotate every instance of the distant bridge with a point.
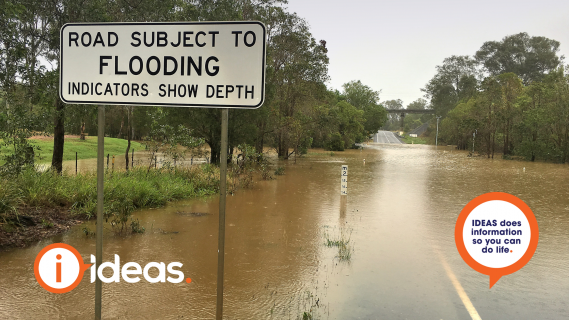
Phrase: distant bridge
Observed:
(405, 111)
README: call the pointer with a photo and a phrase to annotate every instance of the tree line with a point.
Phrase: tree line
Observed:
(299, 110)
(511, 97)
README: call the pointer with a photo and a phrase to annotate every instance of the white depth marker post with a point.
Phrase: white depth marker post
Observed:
(344, 180)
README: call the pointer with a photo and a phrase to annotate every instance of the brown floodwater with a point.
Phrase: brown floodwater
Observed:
(399, 219)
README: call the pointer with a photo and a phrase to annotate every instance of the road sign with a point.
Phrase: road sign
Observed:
(344, 180)
(187, 64)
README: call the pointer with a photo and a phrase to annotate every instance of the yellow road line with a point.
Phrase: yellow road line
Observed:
(461, 293)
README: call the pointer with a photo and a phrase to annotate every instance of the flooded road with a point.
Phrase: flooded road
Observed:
(396, 257)
(385, 137)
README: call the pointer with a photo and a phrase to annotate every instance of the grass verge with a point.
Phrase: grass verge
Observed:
(411, 140)
(33, 204)
(86, 149)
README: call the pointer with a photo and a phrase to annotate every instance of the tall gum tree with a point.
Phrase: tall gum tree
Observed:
(531, 58)
(297, 65)
(455, 80)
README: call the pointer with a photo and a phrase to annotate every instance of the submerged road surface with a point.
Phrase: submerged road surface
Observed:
(385, 137)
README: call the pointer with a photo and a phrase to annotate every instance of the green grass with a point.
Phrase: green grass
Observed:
(343, 245)
(138, 187)
(411, 140)
(124, 191)
(86, 149)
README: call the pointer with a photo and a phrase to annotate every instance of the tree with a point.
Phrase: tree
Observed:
(297, 67)
(530, 120)
(419, 104)
(456, 80)
(347, 126)
(54, 14)
(459, 124)
(393, 104)
(364, 98)
(360, 95)
(22, 31)
(511, 88)
(350, 122)
(529, 57)
(558, 111)
(531, 132)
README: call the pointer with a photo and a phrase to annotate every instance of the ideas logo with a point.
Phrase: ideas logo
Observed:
(59, 268)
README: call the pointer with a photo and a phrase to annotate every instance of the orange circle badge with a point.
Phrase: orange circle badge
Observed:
(496, 234)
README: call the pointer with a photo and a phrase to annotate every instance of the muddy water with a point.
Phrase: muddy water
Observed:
(399, 219)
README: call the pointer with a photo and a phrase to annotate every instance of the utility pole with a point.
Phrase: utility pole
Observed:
(437, 137)
(473, 137)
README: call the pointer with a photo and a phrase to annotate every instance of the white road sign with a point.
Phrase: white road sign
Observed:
(193, 64)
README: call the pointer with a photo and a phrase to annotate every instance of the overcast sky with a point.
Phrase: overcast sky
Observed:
(394, 46)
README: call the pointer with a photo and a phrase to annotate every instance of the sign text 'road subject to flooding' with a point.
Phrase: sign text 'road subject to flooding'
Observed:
(208, 64)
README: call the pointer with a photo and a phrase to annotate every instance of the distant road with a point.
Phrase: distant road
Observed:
(385, 137)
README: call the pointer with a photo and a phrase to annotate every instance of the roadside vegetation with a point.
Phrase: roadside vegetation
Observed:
(413, 140)
(35, 204)
(342, 243)
(510, 98)
(33, 201)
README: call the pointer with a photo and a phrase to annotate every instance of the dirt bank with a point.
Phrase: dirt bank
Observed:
(33, 224)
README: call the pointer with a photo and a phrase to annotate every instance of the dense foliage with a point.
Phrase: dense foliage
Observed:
(511, 98)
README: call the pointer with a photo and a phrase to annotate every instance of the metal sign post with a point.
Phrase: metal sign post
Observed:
(184, 64)
(100, 212)
(222, 196)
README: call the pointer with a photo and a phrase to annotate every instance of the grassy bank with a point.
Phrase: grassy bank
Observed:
(86, 149)
(37, 204)
(410, 140)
